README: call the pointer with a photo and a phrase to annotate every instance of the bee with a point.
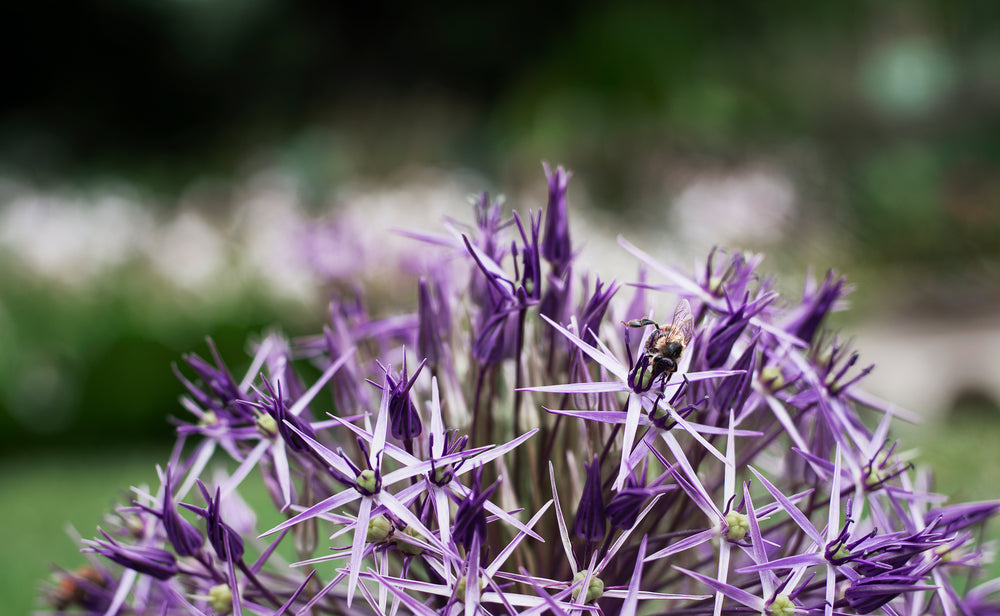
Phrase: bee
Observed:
(666, 344)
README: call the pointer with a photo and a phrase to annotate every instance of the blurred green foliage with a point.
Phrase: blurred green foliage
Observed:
(49, 500)
(80, 369)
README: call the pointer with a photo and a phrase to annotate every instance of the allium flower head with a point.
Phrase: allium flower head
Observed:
(733, 462)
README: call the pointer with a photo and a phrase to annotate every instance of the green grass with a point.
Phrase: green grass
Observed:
(964, 455)
(42, 494)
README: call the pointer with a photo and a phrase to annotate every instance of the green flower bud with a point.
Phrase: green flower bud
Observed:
(267, 425)
(945, 553)
(379, 529)
(595, 590)
(406, 547)
(440, 472)
(738, 525)
(220, 599)
(772, 377)
(462, 586)
(873, 472)
(781, 606)
(367, 481)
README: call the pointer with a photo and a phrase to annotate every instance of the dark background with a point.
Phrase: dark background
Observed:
(883, 114)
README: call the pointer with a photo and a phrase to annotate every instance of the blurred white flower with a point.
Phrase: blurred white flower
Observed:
(188, 251)
(360, 240)
(72, 240)
(268, 220)
(750, 207)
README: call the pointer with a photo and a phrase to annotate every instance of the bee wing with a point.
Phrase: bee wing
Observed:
(683, 322)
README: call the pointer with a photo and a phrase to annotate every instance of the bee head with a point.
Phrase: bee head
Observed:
(663, 363)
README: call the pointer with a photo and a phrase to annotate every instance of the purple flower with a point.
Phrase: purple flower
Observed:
(434, 322)
(185, 538)
(277, 408)
(982, 600)
(716, 344)
(220, 391)
(817, 302)
(868, 593)
(633, 413)
(470, 519)
(489, 224)
(340, 337)
(591, 520)
(879, 554)
(226, 542)
(181, 534)
(404, 421)
(557, 248)
(155, 562)
(624, 507)
(954, 518)
(445, 473)
(713, 288)
(733, 393)
(592, 313)
(504, 298)
(85, 587)
(530, 277)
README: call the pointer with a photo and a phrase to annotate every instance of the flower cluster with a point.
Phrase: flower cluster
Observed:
(534, 440)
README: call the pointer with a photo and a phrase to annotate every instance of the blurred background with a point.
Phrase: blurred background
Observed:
(171, 170)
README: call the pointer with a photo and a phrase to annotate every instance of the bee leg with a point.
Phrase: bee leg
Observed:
(639, 323)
